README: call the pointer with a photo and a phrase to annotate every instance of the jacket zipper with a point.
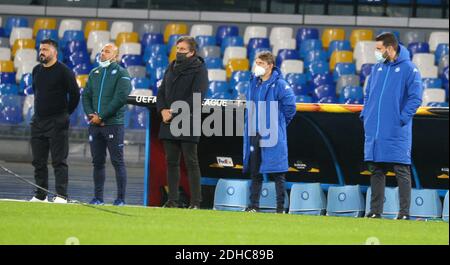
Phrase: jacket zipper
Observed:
(101, 91)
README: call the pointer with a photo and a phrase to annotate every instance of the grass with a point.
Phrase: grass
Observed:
(38, 223)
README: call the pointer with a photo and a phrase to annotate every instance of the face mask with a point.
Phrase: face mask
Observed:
(259, 71)
(181, 57)
(380, 57)
(104, 64)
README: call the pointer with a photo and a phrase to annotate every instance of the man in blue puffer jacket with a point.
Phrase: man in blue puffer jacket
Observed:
(267, 152)
(393, 95)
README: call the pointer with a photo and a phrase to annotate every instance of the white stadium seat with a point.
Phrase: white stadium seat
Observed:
(363, 53)
(120, 26)
(217, 75)
(98, 36)
(428, 71)
(284, 44)
(433, 95)
(20, 33)
(436, 38)
(201, 30)
(23, 56)
(254, 32)
(5, 54)
(423, 59)
(280, 33)
(69, 24)
(291, 66)
(28, 104)
(25, 68)
(234, 53)
(141, 92)
(129, 48)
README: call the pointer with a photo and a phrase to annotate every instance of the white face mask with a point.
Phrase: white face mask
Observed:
(259, 71)
(379, 56)
(104, 64)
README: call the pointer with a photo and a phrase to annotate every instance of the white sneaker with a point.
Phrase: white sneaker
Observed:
(58, 199)
(34, 199)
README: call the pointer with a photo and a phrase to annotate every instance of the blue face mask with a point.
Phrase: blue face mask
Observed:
(380, 57)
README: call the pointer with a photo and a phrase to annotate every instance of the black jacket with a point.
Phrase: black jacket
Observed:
(180, 82)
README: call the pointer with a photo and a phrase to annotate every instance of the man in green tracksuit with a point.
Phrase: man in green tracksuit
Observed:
(104, 102)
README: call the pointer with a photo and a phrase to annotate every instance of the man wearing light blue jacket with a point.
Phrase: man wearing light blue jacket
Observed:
(393, 95)
(270, 100)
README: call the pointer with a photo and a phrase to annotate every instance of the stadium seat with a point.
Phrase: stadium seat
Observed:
(255, 52)
(347, 80)
(366, 69)
(345, 201)
(433, 95)
(418, 47)
(141, 83)
(224, 31)
(46, 34)
(217, 75)
(308, 199)
(242, 87)
(159, 60)
(234, 53)
(127, 37)
(279, 33)
(174, 29)
(77, 58)
(155, 50)
(338, 45)
(286, 54)
(331, 34)
(324, 91)
(340, 57)
(149, 39)
(201, 30)
(423, 59)
(131, 59)
(441, 51)
(291, 66)
(20, 33)
(232, 195)
(302, 89)
(82, 80)
(5, 54)
(6, 66)
(318, 67)
(82, 69)
(28, 108)
(432, 83)
(268, 198)
(214, 63)
(351, 95)
(95, 25)
(139, 118)
(237, 64)
(71, 35)
(7, 78)
(412, 36)
(344, 69)
(358, 35)
(233, 41)
(364, 54)
(24, 68)
(425, 204)
(130, 48)
(306, 34)
(445, 211)
(13, 22)
(395, 32)
(149, 27)
(203, 41)
(173, 40)
(303, 99)
(11, 112)
(239, 76)
(157, 74)
(8, 89)
(309, 45)
(173, 54)
(98, 37)
(4, 42)
(436, 38)
(296, 79)
(136, 71)
(255, 43)
(391, 206)
(443, 63)
(43, 23)
(24, 55)
(120, 26)
(251, 32)
(281, 44)
(315, 56)
(75, 46)
(218, 87)
(68, 24)
(322, 79)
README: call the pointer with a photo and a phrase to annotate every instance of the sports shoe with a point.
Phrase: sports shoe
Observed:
(251, 210)
(402, 217)
(96, 201)
(34, 199)
(170, 204)
(373, 216)
(119, 202)
(194, 207)
(60, 200)
(280, 211)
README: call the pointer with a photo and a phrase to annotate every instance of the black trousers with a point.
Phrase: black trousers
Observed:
(378, 183)
(50, 135)
(173, 150)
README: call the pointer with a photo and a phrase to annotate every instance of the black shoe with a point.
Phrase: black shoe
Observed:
(280, 211)
(402, 217)
(251, 210)
(170, 204)
(194, 207)
(373, 216)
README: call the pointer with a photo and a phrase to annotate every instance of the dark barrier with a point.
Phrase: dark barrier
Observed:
(326, 145)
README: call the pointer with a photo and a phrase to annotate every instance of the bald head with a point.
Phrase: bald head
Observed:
(109, 52)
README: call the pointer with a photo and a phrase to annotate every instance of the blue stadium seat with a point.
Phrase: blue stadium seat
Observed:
(327, 100)
(323, 91)
(432, 83)
(438, 104)
(307, 199)
(418, 47)
(14, 22)
(239, 76)
(306, 34)
(219, 87)
(254, 52)
(138, 118)
(242, 87)
(82, 120)
(71, 35)
(445, 211)
(141, 83)
(318, 68)
(156, 74)
(2, 32)
(441, 50)
(224, 31)
(338, 45)
(214, 63)
(268, 198)
(154, 50)
(75, 46)
(303, 99)
(46, 34)
(151, 38)
(232, 41)
(225, 95)
(255, 43)
(7, 78)
(391, 206)
(131, 59)
(344, 69)
(157, 61)
(302, 90)
(296, 79)
(82, 69)
(26, 81)
(286, 54)
(345, 201)
(232, 195)
(366, 69)
(11, 108)
(77, 58)
(315, 56)
(351, 94)
(206, 41)
(9, 89)
(322, 79)
(425, 204)
(309, 45)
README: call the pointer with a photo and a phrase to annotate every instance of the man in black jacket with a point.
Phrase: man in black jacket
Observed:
(184, 77)
(56, 96)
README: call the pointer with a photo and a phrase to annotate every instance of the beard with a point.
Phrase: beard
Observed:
(44, 60)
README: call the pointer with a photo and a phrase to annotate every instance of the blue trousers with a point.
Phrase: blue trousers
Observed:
(109, 137)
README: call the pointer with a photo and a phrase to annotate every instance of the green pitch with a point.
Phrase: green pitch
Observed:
(38, 223)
